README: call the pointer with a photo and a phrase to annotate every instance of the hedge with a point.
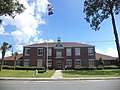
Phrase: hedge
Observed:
(85, 68)
(41, 71)
(112, 67)
(97, 68)
(23, 68)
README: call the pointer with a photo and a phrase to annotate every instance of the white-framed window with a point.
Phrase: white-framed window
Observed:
(49, 51)
(27, 51)
(77, 62)
(77, 51)
(68, 62)
(90, 51)
(58, 53)
(6, 62)
(68, 51)
(39, 62)
(49, 63)
(91, 62)
(26, 62)
(40, 51)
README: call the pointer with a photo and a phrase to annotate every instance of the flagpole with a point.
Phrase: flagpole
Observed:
(49, 12)
(47, 39)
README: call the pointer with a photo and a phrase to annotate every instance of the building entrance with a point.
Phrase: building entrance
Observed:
(59, 64)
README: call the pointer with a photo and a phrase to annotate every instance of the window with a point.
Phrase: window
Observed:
(40, 51)
(78, 62)
(90, 51)
(77, 51)
(27, 51)
(68, 62)
(26, 62)
(49, 62)
(91, 62)
(49, 51)
(68, 51)
(39, 62)
(58, 53)
(6, 62)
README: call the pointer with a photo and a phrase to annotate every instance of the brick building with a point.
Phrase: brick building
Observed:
(60, 55)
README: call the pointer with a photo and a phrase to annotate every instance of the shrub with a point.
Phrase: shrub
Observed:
(8, 67)
(100, 68)
(85, 68)
(23, 68)
(111, 67)
(41, 71)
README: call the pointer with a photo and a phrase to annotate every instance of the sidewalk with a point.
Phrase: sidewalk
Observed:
(57, 75)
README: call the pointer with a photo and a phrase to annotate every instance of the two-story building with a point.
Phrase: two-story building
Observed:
(59, 55)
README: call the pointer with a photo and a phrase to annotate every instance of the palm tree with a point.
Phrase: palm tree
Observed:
(4, 48)
(15, 57)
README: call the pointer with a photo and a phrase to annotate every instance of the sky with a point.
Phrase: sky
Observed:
(35, 26)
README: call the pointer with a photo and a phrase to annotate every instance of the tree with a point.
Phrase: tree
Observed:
(11, 8)
(98, 10)
(15, 57)
(101, 62)
(4, 48)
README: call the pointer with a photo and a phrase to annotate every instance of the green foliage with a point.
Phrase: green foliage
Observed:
(112, 67)
(84, 68)
(98, 10)
(23, 68)
(90, 73)
(26, 74)
(11, 8)
(41, 71)
(97, 68)
(4, 48)
(100, 68)
(101, 62)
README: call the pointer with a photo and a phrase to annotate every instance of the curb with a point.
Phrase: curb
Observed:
(59, 79)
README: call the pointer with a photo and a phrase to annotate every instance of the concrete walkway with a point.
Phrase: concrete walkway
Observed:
(57, 75)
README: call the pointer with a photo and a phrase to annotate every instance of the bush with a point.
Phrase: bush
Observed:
(41, 71)
(8, 67)
(85, 68)
(111, 67)
(23, 68)
(100, 68)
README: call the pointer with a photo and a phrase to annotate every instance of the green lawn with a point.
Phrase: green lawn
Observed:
(24, 73)
(90, 73)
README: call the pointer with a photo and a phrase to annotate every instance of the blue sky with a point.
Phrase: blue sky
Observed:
(67, 22)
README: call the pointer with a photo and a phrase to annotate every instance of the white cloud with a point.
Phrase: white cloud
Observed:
(50, 40)
(19, 47)
(109, 51)
(2, 31)
(8, 53)
(42, 40)
(26, 24)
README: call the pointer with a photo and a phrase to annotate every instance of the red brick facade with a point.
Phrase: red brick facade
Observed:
(60, 55)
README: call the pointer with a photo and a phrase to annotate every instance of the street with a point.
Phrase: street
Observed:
(60, 85)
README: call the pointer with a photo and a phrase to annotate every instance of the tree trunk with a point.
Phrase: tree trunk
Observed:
(2, 61)
(14, 64)
(116, 35)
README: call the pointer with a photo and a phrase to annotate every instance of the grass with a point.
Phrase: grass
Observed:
(24, 73)
(90, 73)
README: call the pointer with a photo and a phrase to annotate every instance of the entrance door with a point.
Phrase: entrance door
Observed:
(59, 64)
